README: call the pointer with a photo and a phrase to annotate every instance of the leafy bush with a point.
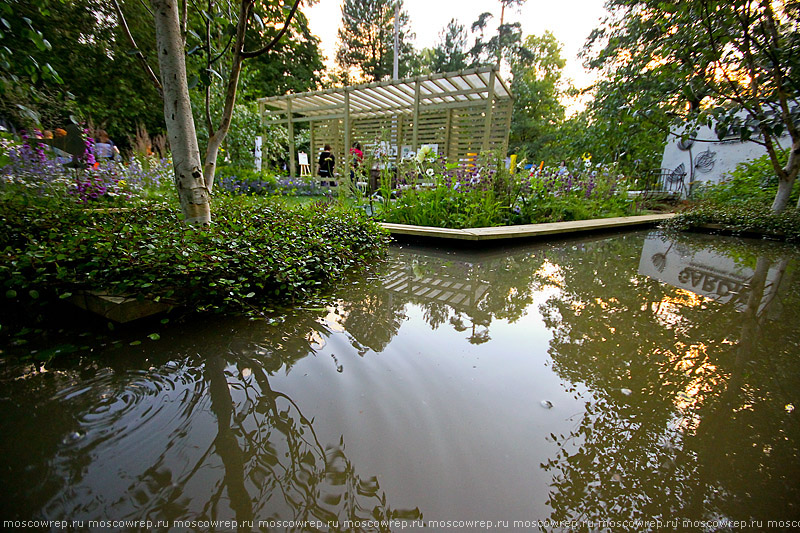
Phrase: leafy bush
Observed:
(253, 256)
(750, 181)
(488, 195)
(752, 217)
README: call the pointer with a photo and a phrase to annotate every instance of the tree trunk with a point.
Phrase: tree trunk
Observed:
(787, 181)
(189, 181)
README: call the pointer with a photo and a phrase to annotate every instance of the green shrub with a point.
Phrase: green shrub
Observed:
(255, 254)
(752, 217)
(751, 181)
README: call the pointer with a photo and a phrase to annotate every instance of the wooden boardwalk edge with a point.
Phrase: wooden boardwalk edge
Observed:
(524, 231)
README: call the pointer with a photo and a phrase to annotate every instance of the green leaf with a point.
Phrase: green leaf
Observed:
(135, 343)
(11, 293)
(154, 336)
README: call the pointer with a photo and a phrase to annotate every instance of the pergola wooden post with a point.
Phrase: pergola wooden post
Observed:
(458, 112)
(292, 166)
(347, 139)
(487, 124)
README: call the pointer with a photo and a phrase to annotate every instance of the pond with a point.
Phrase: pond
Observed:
(603, 380)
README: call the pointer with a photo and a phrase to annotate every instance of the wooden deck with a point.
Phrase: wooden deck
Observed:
(527, 230)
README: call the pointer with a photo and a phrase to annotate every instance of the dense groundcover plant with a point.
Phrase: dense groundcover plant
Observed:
(738, 218)
(434, 193)
(740, 203)
(254, 256)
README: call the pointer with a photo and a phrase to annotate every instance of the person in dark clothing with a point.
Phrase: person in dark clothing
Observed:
(326, 163)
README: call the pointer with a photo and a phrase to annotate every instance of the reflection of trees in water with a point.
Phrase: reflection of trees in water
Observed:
(275, 466)
(688, 417)
(263, 459)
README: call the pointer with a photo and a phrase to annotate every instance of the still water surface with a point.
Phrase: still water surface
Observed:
(608, 378)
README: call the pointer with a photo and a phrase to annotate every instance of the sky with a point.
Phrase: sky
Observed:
(570, 21)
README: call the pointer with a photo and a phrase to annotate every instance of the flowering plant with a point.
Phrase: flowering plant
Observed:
(35, 168)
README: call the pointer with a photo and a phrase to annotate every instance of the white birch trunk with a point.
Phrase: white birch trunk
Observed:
(189, 181)
(787, 181)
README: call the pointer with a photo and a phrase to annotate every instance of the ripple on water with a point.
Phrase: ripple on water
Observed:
(111, 407)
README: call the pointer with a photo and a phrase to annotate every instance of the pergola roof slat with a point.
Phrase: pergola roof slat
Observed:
(457, 112)
(387, 96)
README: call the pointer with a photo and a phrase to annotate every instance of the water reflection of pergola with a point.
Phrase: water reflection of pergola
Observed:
(461, 294)
(460, 113)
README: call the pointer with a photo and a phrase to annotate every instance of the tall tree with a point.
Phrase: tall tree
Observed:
(450, 52)
(505, 43)
(194, 177)
(366, 38)
(537, 89)
(732, 63)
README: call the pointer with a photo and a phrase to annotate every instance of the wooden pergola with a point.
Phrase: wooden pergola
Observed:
(458, 113)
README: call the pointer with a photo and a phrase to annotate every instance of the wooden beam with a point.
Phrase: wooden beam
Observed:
(487, 128)
(292, 162)
(447, 134)
(508, 127)
(415, 135)
(346, 151)
(312, 152)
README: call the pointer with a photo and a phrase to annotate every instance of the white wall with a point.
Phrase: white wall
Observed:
(707, 162)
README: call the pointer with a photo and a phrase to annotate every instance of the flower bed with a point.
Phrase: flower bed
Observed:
(433, 193)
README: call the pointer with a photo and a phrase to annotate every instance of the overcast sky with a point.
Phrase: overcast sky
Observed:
(570, 21)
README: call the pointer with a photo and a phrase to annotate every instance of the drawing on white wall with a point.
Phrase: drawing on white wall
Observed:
(708, 163)
(704, 162)
(677, 175)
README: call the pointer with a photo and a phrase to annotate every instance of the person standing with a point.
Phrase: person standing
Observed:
(357, 154)
(104, 147)
(327, 161)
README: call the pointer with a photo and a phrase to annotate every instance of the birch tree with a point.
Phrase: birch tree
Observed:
(194, 175)
(732, 64)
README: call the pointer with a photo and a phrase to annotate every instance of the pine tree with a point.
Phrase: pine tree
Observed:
(366, 38)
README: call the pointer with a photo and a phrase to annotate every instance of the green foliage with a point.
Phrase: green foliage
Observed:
(537, 112)
(366, 38)
(102, 82)
(435, 194)
(740, 217)
(255, 255)
(240, 141)
(449, 54)
(25, 70)
(293, 65)
(729, 65)
(750, 182)
(586, 192)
